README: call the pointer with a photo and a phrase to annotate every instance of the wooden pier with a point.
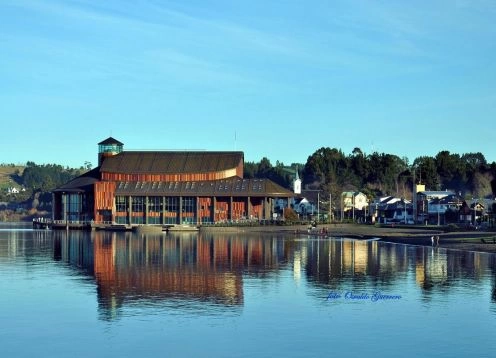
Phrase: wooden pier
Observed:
(42, 223)
(48, 224)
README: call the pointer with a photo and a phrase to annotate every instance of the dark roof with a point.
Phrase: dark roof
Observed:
(110, 140)
(312, 195)
(171, 162)
(396, 205)
(225, 187)
(81, 183)
(450, 199)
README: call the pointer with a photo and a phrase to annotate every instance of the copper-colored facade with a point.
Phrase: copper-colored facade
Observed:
(165, 188)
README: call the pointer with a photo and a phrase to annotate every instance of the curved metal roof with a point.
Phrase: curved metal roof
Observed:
(170, 162)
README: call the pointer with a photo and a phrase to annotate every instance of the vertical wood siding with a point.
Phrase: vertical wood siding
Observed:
(104, 198)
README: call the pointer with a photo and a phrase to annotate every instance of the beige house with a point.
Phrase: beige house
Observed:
(353, 201)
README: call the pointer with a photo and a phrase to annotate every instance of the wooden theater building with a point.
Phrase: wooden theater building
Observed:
(165, 188)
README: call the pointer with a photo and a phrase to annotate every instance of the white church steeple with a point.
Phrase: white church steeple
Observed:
(297, 183)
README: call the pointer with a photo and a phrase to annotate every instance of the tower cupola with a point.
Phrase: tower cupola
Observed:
(108, 148)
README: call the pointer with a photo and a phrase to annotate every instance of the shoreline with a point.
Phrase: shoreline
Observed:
(481, 241)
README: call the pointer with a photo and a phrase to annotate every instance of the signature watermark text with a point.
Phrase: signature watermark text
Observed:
(362, 296)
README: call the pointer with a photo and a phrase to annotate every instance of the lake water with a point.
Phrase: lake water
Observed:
(102, 294)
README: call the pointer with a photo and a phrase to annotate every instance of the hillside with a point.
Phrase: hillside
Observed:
(33, 184)
(9, 176)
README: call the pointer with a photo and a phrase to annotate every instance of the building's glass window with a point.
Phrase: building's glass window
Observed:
(137, 219)
(137, 210)
(154, 210)
(189, 209)
(138, 204)
(121, 220)
(121, 204)
(171, 209)
(72, 206)
(110, 148)
(87, 208)
(171, 203)
(154, 220)
(154, 204)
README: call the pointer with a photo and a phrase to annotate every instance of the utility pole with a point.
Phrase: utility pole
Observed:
(330, 207)
(438, 212)
(318, 206)
(353, 203)
(414, 198)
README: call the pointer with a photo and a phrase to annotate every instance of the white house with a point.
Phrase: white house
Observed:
(13, 190)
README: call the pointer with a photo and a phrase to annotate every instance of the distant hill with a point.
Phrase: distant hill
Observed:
(34, 183)
(10, 175)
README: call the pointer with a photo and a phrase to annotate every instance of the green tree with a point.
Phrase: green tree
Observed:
(426, 172)
(451, 170)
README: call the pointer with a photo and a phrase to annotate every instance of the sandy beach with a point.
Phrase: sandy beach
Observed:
(484, 241)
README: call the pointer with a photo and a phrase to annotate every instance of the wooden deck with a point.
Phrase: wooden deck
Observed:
(42, 223)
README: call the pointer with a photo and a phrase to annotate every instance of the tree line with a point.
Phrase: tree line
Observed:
(46, 177)
(380, 174)
(332, 171)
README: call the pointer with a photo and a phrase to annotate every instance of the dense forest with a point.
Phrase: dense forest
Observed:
(328, 169)
(380, 174)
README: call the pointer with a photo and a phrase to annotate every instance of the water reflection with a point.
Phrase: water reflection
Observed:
(207, 273)
(340, 262)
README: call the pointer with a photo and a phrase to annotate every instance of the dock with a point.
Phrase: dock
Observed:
(48, 224)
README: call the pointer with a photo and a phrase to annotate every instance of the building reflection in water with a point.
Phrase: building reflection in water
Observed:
(343, 262)
(157, 268)
(209, 269)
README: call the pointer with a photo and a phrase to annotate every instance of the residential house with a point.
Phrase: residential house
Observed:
(13, 190)
(354, 204)
(481, 211)
(390, 209)
(477, 212)
(430, 205)
(303, 206)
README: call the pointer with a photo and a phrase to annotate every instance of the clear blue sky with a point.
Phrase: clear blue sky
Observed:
(275, 78)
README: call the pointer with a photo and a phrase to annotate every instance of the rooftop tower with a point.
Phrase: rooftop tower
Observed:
(108, 148)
